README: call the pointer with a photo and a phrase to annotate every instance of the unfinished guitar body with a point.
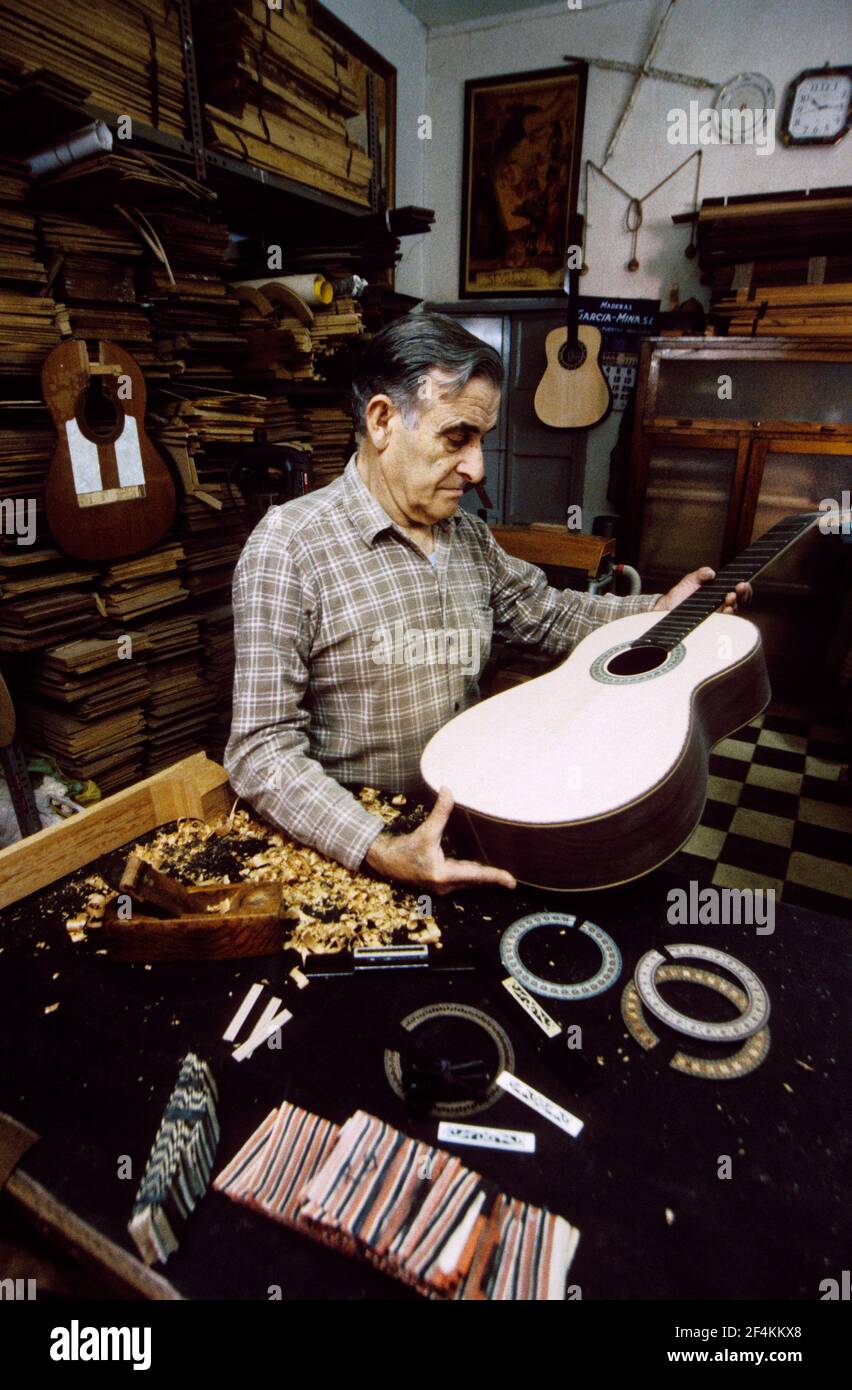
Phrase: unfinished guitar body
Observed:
(594, 774)
(572, 396)
(108, 493)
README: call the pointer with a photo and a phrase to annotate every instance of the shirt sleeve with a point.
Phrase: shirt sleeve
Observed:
(528, 609)
(267, 757)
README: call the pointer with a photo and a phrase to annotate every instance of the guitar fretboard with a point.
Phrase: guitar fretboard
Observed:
(677, 624)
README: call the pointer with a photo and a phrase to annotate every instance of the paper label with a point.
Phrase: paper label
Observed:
(482, 1137)
(128, 455)
(563, 1119)
(85, 462)
(539, 1015)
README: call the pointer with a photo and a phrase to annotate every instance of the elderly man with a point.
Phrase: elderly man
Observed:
(322, 697)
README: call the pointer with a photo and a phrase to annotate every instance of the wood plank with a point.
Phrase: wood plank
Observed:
(196, 787)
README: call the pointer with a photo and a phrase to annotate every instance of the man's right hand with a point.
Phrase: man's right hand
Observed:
(418, 858)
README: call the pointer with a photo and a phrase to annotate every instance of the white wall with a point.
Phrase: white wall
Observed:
(708, 38)
(399, 37)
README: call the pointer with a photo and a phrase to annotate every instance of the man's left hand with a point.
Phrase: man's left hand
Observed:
(740, 597)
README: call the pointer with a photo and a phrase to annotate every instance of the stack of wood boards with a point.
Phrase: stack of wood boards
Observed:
(44, 598)
(279, 344)
(217, 637)
(779, 264)
(108, 751)
(27, 442)
(89, 708)
(128, 56)
(181, 702)
(95, 255)
(278, 94)
(20, 265)
(331, 433)
(812, 311)
(212, 539)
(195, 313)
(27, 332)
(130, 589)
(338, 326)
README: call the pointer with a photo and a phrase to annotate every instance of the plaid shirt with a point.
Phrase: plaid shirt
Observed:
(353, 649)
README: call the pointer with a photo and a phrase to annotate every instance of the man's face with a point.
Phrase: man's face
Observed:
(427, 468)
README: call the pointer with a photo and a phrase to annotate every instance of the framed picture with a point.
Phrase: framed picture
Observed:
(523, 135)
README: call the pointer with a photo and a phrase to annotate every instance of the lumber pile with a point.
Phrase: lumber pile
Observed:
(332, 439)
(128, 57)
(813, 311)
(335, 327)
(279, 340)
(181, 702)
(28, 332)
(43, 598)
(20, 265)
(195, 314)
(216, 625)
(108, 751)
(278, 93)
(91, 675)
(27, 442)
(130, 589)
(779, 263)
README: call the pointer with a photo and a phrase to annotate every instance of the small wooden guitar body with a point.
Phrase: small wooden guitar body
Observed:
(593, 775)
(108, 492)
(573, 394)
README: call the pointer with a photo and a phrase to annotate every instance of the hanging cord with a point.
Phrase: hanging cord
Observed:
(635, 206)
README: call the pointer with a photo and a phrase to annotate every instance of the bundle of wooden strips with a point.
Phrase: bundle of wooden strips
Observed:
(129, 56)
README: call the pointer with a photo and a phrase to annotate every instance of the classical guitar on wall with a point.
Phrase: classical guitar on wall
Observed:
(596, 773)
(573, 394)
(108, 492)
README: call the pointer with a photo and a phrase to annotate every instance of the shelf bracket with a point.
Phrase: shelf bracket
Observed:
(193, 100)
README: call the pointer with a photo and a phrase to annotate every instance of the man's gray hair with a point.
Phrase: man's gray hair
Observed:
(398, 361)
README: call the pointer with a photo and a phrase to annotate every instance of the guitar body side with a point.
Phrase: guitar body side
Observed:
(640, 749)
(116, 527)
(573, 397)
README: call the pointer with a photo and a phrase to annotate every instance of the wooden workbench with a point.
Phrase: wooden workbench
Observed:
(641, 1182)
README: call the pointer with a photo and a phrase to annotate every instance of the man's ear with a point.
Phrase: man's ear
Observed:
(378, 416)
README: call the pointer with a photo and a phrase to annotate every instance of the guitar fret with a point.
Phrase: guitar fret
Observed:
(670, 630)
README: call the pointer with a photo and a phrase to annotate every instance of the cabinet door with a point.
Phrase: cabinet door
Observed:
(724, 386)
(797, 478)
(545, 465)
(494, 330)
(686, 517)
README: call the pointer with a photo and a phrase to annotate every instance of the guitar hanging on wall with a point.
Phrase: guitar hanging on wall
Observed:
(573, 394)
(108, 492)
(596, 773)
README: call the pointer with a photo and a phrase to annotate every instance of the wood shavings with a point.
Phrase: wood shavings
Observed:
(332, 908)
(50, 1008)
(299, 979)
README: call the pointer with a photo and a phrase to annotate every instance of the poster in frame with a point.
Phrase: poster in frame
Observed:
(523, 136)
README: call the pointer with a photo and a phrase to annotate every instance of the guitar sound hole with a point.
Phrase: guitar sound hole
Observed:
(637, 661)
(572, 355)
(98, 411)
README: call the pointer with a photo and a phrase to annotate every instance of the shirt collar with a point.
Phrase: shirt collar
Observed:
(367, 513)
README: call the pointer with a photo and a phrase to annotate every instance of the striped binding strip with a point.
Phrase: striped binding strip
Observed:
(180, 1162)
(414, 1211)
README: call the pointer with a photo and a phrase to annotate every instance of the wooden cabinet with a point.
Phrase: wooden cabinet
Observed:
(731, 435)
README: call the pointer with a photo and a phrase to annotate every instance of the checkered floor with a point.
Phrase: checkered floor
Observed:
(779, 813)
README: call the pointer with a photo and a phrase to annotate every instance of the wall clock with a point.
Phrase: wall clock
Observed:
(818, 109)
(748, 91)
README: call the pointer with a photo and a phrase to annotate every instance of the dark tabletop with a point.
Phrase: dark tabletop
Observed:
(641, 1182)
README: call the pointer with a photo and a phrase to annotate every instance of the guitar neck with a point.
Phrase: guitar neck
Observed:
(682, 620)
